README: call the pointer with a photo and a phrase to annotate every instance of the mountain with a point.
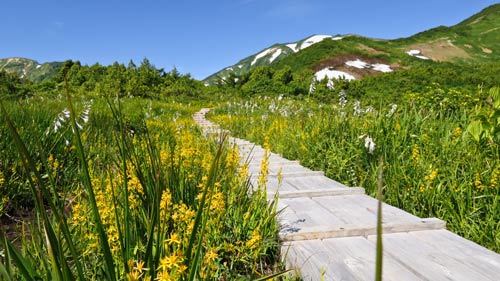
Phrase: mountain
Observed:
(475, 39)
(30, 69)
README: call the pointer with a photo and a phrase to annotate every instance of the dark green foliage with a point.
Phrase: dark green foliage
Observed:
(144, 80)
(13, 86)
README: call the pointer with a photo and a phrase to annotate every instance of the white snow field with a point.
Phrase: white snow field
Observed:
(417, 54)
(361, 65)
(332, 74)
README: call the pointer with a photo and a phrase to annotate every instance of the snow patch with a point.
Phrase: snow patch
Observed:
(357, 63)
(274, 52)
(422, 57)
(275, 55)
(229, 68)
(332, 74)
(361, 65)
(417, 54)
(38, 66)
(337, 38)
(313, 40)
(293, 46)
(413, 52)
(263, 54)
(381, 67)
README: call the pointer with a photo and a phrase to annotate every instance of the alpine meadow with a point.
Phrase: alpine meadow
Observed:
(106, 175)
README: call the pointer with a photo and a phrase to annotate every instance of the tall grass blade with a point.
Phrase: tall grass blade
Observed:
(87, 183)
(379, 254)
(23, 265)
(200, 222)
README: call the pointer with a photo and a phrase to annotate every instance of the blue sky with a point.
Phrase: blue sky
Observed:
(201, 37)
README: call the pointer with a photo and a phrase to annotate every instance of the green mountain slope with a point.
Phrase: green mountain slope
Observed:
(476, 39)
(30, 69)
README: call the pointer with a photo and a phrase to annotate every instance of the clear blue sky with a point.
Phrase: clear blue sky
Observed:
(201, 37)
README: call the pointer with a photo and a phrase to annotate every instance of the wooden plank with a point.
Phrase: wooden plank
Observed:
(341, 216)
(485, 260)
(324, 232)
(294, 174)
(321, 192)
(273, 186)
(438, 256)
(351, 258)
(314, 182)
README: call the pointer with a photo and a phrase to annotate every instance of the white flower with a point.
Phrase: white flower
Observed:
(66, 113)
(392, 110)
(312, 87)
(357, 108)
(369, 109)
(369, 144)
(342, 99)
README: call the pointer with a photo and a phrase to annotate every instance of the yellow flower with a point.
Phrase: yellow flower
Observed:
(432, 175)
(174, 239)
(164, 276)
(211, 256)
(165, 205)
(255, 239)
(415, 153)
(218, 203)
(264, 170)
(457, 132)
(133, 276)
(494, 177)
(171, 261)
(182, 268)
(139, 266)
(477, 182)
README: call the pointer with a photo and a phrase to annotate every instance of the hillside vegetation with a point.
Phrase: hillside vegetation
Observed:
(473, 40)
(104, 175)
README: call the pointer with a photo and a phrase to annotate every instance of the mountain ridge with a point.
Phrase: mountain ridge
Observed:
(472, 39)
(30, 69)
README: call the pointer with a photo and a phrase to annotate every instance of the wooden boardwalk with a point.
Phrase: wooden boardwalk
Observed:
(328, 229)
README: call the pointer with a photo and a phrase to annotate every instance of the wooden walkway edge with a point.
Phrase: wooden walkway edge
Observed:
(328, 230)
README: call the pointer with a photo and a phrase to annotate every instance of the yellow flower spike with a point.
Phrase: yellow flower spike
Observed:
(432, 175)
(140, 266)
(211, 256)
(218, 203)
(164, 276)
(133, 276)
(457, 133)
(255, 239)
(174, 239)
(478, 182)
(415, 153)
(130, 263)
(182, 268)
(172, 261)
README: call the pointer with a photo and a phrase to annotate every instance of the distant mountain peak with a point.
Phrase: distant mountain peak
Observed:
(474, 39)
(30, 69)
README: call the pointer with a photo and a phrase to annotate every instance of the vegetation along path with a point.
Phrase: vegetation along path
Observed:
(329, 230)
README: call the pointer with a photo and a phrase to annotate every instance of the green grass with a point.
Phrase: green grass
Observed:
(433, 167)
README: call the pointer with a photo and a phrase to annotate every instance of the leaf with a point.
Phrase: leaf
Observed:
(495, 95)
(475, 129)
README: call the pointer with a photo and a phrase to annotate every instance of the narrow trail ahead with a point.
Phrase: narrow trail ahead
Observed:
(329, 230)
